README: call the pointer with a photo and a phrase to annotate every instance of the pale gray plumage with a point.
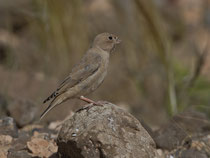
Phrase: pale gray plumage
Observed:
(88, 74)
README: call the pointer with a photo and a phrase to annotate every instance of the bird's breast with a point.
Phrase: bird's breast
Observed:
(96, 79)
(100, 74)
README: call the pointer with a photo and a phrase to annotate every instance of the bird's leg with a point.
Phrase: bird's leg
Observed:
(91, 102)
(87, 100)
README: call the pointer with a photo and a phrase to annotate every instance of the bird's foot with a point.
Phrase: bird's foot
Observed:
(88, 107)
(99, 103)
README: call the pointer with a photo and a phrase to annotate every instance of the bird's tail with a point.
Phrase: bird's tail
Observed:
(56, 101)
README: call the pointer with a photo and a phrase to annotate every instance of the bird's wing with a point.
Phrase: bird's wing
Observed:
(88, 65)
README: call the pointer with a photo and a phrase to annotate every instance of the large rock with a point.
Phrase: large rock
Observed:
(23, 111)
(104, 132)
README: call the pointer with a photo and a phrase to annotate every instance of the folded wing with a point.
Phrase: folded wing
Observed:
(87, 66)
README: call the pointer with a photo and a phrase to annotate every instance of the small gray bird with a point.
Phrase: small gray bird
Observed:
(87, 75)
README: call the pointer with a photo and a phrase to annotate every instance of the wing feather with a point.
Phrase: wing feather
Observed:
(88, 65)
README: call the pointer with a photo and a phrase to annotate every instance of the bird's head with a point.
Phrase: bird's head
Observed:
(106, 41)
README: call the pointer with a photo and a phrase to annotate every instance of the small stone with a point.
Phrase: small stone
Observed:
(41, 147)
(160, 152)
(31, 127)
(5, 139)
(19, 154)
(5, 144)
(55, 125)
(8, 127)
(20, 142)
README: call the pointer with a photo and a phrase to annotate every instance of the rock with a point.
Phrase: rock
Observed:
(32, 127)
(193, 122)
(190, 153)
(56, 125)
(5, 143)
(104, 131)
(19, 154)
(23, 111)
(170, 137)
(5, 140)
(3, 154)
(3, 105)
(40, 131)
(198, 148)
(179, 130)
(33, 143)
(8, 127)
(41, 147)
(20, 142)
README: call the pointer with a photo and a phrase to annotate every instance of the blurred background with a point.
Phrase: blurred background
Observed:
(160, 69)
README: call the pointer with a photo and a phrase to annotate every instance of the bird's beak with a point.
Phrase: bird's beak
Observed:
(118, 41)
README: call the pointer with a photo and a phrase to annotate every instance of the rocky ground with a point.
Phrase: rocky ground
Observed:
(102, 132)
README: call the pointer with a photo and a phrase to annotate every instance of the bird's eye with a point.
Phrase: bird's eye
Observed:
(110, 37)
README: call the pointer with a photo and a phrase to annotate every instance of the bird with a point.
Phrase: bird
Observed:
(87, 75)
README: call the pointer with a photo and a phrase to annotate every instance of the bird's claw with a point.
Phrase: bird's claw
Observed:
(88, 107)
(98, 104)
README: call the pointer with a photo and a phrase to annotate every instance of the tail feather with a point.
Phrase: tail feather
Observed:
(53, 103)
(53, 95)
